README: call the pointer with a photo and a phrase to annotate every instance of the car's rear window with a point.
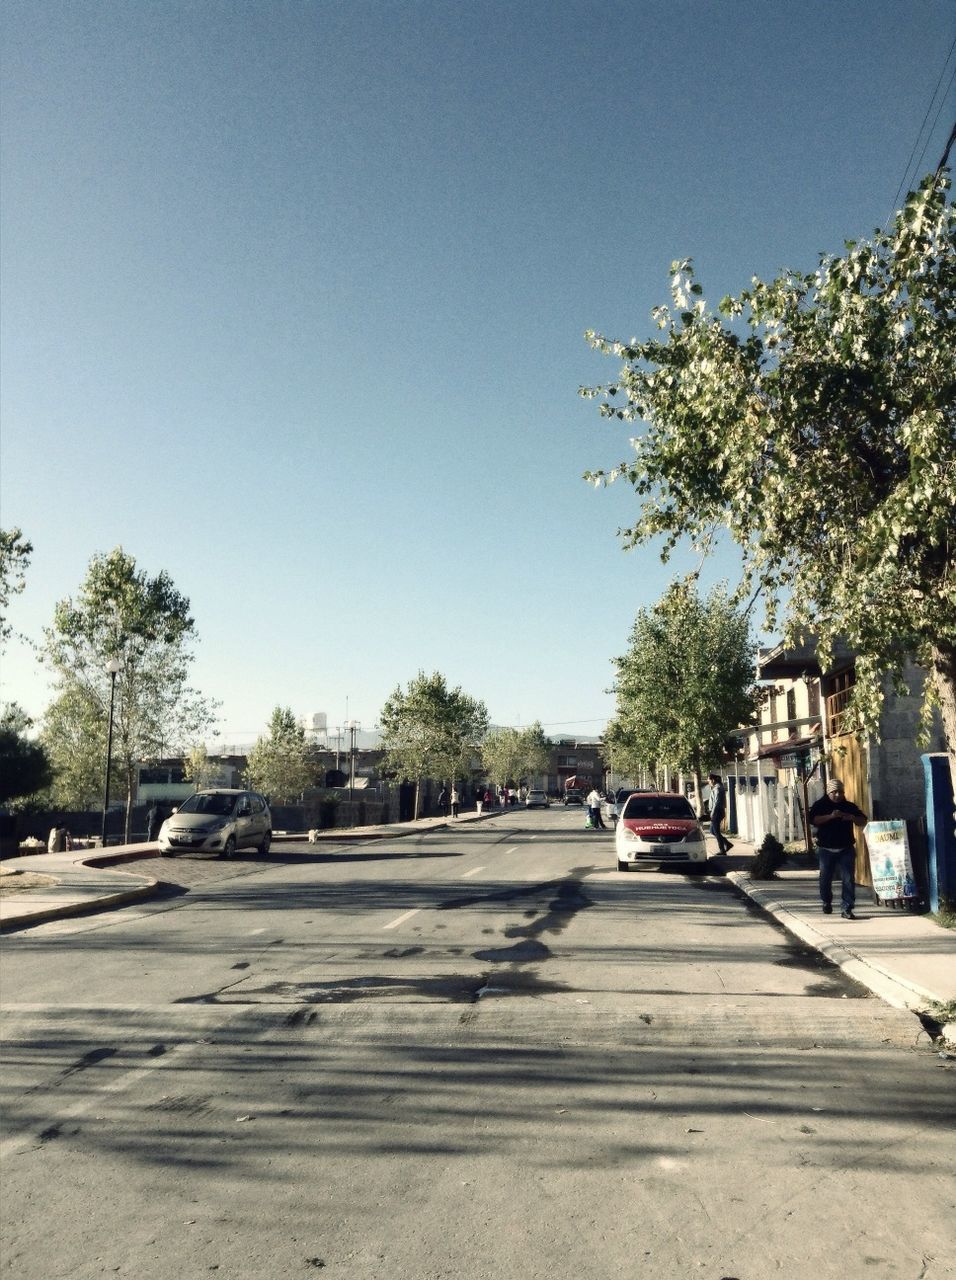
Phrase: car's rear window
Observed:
(657, 807)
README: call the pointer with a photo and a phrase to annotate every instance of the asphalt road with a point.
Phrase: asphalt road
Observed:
(483, 1052)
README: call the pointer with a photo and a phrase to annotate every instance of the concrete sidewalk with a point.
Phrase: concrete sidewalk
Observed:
(904, 958)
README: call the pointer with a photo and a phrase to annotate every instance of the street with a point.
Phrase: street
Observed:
(478, 1052)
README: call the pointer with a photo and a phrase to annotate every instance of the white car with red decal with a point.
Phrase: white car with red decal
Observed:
(657, 829)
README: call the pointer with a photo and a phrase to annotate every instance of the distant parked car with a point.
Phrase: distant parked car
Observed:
(536, 799)
(574, 797)
(657, 829)
(223, 820)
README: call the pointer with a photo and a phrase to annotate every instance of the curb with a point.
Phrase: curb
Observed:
(102, 903)
(894, 991)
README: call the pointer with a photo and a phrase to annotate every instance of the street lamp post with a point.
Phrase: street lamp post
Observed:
(112, 667)
(352, 726)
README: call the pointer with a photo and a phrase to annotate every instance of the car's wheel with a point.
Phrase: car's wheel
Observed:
(266, 841)
(229, 848)
(621, 866)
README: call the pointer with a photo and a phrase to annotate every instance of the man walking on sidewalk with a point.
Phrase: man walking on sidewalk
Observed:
(833, 817)
(718, 811)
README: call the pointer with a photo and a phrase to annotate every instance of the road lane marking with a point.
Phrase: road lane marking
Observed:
(514, 849)
(401, 919)
(473, 872)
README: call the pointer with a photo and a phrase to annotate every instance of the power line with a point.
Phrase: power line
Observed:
(903, 183)
(944, 160)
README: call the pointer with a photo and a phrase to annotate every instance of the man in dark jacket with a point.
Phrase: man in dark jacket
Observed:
(833, 817)
(154, 820)
(718, 811)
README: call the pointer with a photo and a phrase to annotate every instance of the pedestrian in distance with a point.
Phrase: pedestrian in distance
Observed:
(718, 811)
(154, 820)
(443, 802)
(455, 801)
(594, 809)
(834, 817)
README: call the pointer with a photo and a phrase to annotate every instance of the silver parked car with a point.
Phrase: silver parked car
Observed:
(223, 820)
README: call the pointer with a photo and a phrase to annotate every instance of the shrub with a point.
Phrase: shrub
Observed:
(769, 857)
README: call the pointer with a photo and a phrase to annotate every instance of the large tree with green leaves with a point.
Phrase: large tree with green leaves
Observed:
(280, 764)
(431, 731)
(515, 755)
(814, 417)
(24, 764)
(684, 684)
(15, 553)
(73, 731)
(142, 622)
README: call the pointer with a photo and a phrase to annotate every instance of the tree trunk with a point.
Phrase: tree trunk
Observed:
(944, 678)
(128, 826)
(698, 788)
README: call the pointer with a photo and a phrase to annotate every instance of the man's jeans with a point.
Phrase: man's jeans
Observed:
(723, 844)
(842, 860)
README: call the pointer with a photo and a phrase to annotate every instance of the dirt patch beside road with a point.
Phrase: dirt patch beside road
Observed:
(17, 881)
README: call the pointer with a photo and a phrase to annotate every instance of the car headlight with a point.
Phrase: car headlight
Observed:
(209, 827)
(632, 835)
(695, 837)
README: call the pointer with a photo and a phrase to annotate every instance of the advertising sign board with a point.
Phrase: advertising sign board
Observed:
(890, 864)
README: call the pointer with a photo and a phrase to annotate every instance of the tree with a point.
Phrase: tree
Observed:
(279, 765)
(198, 768)
(15, 553)
(816, 421)
(686, 681)
(120, 612)
(24, 765)
(536, 750)
(513, 755)
(501, 756)
(73, 731)
(431, 731)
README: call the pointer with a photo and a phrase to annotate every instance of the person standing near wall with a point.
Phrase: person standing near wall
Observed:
(455, 801)
(154, 820)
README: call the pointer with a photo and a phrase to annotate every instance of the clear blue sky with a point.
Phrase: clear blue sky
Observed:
(294, 295)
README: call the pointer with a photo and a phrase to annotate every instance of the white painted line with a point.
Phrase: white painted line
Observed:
(514, 849)
(473, 872)
(401, 919)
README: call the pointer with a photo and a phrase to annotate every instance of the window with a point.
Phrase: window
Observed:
(813, 697)
(791, 704)
(657, 807)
